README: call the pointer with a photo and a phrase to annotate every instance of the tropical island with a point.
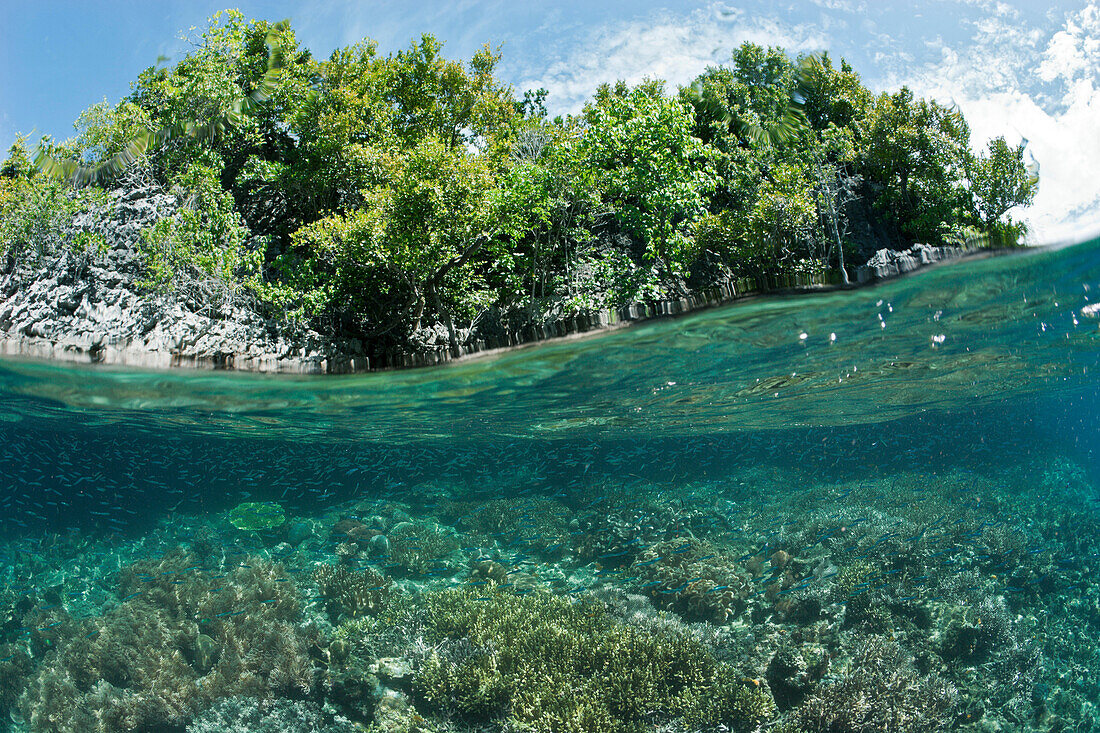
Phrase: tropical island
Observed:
(252, 206)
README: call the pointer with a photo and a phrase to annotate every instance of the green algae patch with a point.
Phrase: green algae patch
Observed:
(254, 516)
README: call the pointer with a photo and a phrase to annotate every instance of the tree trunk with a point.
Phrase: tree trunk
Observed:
(418, 313)
(828, 193)
(436, 303)
(840, 255)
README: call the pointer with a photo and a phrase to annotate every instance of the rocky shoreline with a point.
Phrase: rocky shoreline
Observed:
(92, 309)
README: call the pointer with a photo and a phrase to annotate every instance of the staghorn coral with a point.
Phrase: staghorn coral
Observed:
(689, 577)
(989, 659)
(880, 689)
(395, 714)
(539, 662)
(46, 626)
(794, 671)
(494, 574)
(350, 593)
(347, 552)
(13, 607)
(730, 704)
(15, 667)
(351, 532)
(616, 538)
(182, 637)
(251, 715)
(205, 543)
(417, 547)
(536, 522)
(399, 630)
(487, 570)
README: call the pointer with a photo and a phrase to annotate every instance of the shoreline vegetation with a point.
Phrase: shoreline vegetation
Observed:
(255, 208)
(898, 264)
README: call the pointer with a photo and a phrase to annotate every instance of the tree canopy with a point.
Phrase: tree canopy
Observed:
(380, 196)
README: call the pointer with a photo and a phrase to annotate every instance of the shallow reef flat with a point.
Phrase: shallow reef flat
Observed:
(768, 599)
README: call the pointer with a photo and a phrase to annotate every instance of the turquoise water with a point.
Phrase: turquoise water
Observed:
(914, 466)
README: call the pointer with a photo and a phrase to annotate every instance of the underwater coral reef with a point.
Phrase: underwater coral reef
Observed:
(894, 605)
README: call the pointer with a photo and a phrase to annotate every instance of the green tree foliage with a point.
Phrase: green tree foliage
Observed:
(652, 170)
(437, 98)
(395, 196)
(344, 133)
(105, 131)
(831, 97)
(547, 205)
(39, 218)
(39, 215)
(204, 97)
(413, 245)
(914, 154)
(999, 182)
(765, 219)
(18, 163)
(201, 251)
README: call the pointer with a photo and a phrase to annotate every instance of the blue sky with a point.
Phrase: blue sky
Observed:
(1020, 69)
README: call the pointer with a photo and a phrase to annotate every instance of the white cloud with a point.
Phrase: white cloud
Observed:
(844, 6)
(675, 48)
(1040, 86)
(1075, 49)
(1067, 146)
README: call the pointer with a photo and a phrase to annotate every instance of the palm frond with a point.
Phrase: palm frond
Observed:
(810, 76)
(83, 175)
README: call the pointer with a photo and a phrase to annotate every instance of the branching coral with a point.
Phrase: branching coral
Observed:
(350, 593)
(182, 637)
(618, 537)
(537, 523)
(252, 715)
(793, 672)
(15, 666)
(537, 662)
(417, 547)
(879, 690)
(690, 577)
(985, 636)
